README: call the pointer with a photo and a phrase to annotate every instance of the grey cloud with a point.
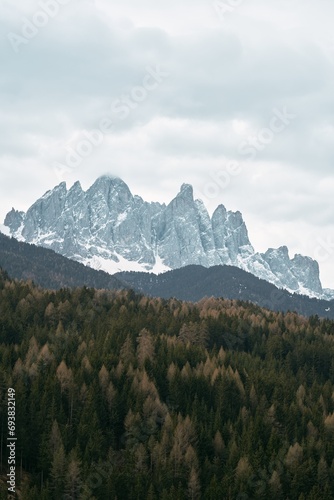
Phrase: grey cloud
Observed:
(67, 77)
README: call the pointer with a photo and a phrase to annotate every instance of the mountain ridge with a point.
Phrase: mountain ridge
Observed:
(194, 283)
(109, 228)
(46, 268)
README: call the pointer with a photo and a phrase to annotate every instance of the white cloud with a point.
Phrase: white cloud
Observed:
(226, 77)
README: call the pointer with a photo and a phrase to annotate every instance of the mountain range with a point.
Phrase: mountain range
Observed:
(109, 228)
(50, 270)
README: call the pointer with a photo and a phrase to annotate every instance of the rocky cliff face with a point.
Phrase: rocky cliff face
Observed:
(108, 228)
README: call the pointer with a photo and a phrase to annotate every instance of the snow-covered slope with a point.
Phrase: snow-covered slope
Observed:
(108, 228)
(4, 230)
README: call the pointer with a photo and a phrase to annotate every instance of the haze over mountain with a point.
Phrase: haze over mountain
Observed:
(109, 228)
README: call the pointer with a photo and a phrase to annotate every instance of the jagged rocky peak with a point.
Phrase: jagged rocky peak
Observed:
(110, 187)
(109, 228)
(183, 199)
(107, 181)
(282, 252)
(230, 233)
(76, 188)
(186, 192)
(14, 219)
(307, 272)
(300, 273)
(52, 196)
(43, 214)
(59, 190)
(220, 212)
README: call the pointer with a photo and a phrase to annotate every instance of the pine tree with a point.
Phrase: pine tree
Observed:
(58, 472)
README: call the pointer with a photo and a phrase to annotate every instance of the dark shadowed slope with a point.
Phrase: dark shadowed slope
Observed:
(49, 269)
(195, 282)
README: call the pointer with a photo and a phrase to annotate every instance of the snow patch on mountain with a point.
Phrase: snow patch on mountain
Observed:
(4, 230)
(112, 266)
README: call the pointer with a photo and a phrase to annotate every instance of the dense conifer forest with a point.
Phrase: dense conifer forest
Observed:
(120, 396)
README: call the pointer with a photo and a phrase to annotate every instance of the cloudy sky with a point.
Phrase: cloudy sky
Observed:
(233, 96)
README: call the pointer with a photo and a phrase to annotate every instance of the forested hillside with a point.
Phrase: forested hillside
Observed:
(48, 268)
(119, 396)
(195, 282)
(51, 270)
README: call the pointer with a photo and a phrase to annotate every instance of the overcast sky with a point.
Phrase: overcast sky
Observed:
(234, 97)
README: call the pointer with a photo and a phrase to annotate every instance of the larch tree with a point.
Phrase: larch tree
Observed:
(145, 347)
(73, 481)
(194, 487)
